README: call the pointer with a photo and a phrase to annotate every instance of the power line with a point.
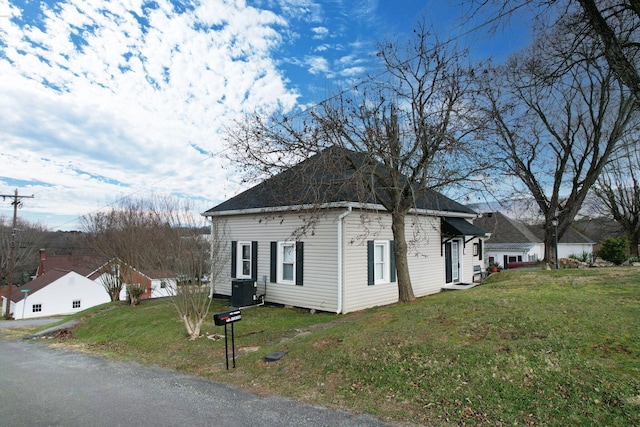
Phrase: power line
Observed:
(370, 78)
(471, 30)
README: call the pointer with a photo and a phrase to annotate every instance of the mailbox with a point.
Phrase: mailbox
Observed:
(222, 319)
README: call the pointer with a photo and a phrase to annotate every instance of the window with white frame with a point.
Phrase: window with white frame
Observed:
(381, 266)
(76, 304)
(381, 261)
(37, 308)
(244, 259)
(287, 262)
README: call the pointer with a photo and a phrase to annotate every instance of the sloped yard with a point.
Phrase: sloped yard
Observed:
(527, 348)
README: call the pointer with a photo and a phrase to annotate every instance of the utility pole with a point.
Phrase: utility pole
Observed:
(17, 202)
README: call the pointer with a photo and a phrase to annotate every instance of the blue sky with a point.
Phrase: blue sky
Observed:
(101, 99)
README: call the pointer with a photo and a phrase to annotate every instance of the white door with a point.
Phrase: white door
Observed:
(455, 261)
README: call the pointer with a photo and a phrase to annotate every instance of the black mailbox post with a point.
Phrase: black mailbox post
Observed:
(225, 318)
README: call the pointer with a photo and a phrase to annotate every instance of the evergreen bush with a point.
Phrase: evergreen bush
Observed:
(615, 250)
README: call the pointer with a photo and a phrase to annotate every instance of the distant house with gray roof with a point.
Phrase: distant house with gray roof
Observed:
(515, 241)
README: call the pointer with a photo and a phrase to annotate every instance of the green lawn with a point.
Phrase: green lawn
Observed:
(526, 348)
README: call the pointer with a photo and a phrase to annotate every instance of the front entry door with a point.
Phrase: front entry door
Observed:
(452, 261)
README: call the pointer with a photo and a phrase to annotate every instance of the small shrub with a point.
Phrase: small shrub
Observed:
(614, 249)
(134, 292)
(584, 257)
(493, 266)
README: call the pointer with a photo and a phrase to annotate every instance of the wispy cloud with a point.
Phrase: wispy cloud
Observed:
(118, 94)
(320, 32)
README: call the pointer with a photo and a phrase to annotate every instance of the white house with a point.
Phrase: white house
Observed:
(65, 284)
(57, 292)
(317, 245)
(155, 285)
(515, 241)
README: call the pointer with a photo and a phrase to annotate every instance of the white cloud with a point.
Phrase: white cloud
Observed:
(122, 112)
(318, 65)
(320, 32)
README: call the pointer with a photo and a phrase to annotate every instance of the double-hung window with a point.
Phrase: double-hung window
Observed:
(287, 262)
(244, 260)
(381, 262)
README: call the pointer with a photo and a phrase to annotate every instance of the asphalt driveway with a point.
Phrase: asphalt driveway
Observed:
(43, 386)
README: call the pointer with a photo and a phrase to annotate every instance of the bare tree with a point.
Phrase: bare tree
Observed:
(160, 233)
(111, 279)
(618, 190)
(402, 133)
(554, 132)
(27, 240)
(613, 24)
(122, 237)
(21, 242)
(201, 258)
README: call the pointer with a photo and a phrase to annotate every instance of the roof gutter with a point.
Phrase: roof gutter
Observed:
(335, 205)
(340, 261)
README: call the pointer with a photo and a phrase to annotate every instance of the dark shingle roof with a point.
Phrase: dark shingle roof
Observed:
(570, 236)
(506, 230)
(328, 177)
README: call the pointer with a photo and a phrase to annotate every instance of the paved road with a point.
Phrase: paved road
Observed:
(42, 386)
(8, 324)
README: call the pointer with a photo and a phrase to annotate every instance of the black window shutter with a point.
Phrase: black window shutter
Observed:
(273, 270)
(254, 260)
(392, 261)
(370, 272)
(299, 263)
(234, 258)
(479, 248)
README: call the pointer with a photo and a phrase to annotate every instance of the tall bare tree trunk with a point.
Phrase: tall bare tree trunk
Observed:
(405, 289)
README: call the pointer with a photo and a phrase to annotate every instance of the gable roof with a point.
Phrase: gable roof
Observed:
(506, 230)
(328, 178)
(39, 283)
(570, 236)
(81, 264)
(149, 274)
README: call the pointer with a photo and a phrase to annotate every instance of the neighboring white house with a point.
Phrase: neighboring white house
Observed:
(156, 284)
(58, 292)
(66, 284)
(514, 241)
(337, 254)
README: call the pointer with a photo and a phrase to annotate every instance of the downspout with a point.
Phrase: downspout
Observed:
(211, 284)
(340, 284)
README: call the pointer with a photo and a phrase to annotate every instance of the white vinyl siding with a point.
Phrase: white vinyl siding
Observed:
(319, 290)
(426, 263)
